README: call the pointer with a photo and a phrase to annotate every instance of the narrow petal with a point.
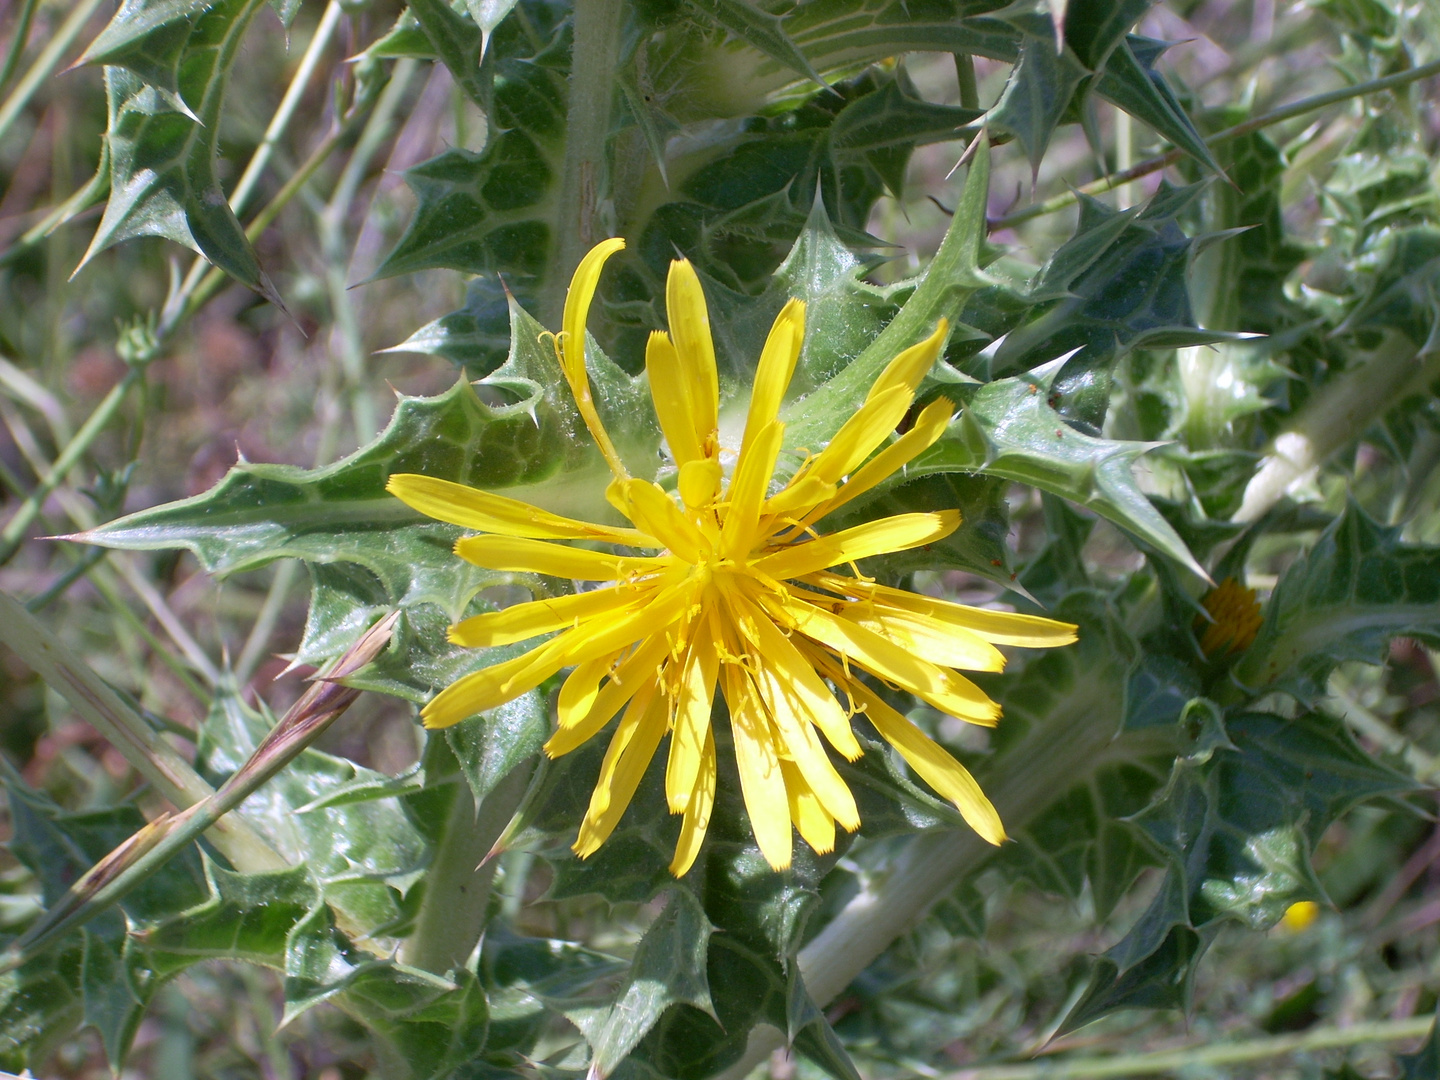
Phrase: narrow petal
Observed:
(813, 822)
(691, 729)
(544, 557)
(572, 345)
(700, 482)
(930, 639)
(670, 392)
(697, 812)
(522, 621)
(690, 329)
(802, 494)
(776, 368)
(861, 434)
(635, 672)
(482, 511)
(582, 686)
(761, 782)
(932, 763)
(911, 366)
(1000, 627)
(621, 772)
(491, 686)
(849, 545)
(942, 688)
(929, 426)
(747, 491)
(648, 503)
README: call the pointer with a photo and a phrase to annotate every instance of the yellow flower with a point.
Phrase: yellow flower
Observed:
(1299, 915)
(740, 592)
(1235, 619)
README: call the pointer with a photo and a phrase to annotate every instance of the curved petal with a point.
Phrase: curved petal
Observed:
(557, 560)
(572, 345)
(697, 812)
(690, 330)
(775, 370)
(519, 622)
(877, 537)
(911, 365)
(812, 821)
(631, 749)
(491, 686)
(861, 434)
(670, 391)
(761, 783)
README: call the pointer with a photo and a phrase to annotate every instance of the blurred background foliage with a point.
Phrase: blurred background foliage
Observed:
(1222, 845)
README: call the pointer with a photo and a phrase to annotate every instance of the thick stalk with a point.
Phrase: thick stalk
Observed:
(457, 885)
(593, 62)
(13, 534)
(1258, 123)
(46, 63)
(1336, 416)
(105, 711)
(1211, 1055)
(1077, 739)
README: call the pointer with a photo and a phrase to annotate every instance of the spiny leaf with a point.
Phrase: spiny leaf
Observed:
(758, 29)
(1039, 89)
(457, 41)
(1093, 28)
(1131, 82)
(1359, 587)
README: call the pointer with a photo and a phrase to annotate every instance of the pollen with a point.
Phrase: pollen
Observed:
(740, 596)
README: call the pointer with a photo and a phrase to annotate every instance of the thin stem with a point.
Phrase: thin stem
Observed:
(46, 63)
(319, 41)
(264, 626)
(593, 62)
(18, 40)
(13, 534)
(965, 76)
(1213, 1055)
(1275, 116)
(124, 728)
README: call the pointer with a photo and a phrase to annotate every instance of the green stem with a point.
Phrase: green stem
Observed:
(1275, 116)
(593, 64)
(1336, 417)
(457, 884)
(46, 63)
(18, 40)
(13, 534)
(1212, 1055)
(965, 76)
(151, 756)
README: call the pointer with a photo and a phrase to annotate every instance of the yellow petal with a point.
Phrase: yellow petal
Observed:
(697, 812)
(947, 691)
(783, 674)
(776, 368)
(861, 434)
(582, 686)
(747, 492)
(625, 762)
(812, 821)
(803, 493)
(700, 482)
(657, 513)
(873, 538)
(929, 426)
(634, 673)
(911, 366)
(471, 508)
(691, 728)
(572, 346)
(690, 330)
(761, 782)
(1000, 627)
(522, 621)
(931, 763)
(948, 646)
(670, 391)
(491, 686)
(543, 557)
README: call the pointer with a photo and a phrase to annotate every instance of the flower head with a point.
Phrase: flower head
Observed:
(1234, 619)
(737, 591)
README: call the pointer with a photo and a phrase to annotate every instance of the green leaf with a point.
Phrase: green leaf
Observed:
(115, 1000)
(163, 180)
(475, 338)
(953, 274)
(1131, 82)
(1358, 588)
(1093, 28)
(758, 29)
(489, 746)
(669, 968)
(457, 41)
(40, 1005)
(1039, 89)
(1008, 428)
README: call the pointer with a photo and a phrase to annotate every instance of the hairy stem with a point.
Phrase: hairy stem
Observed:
(593, 64)
(1257, 123)
(457, 885)
(1335, 417)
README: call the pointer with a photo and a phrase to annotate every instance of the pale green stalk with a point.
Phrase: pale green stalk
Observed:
(594, 61)
(46, 63)
(1258, 123)
(150, 755)
(1208, 1056)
